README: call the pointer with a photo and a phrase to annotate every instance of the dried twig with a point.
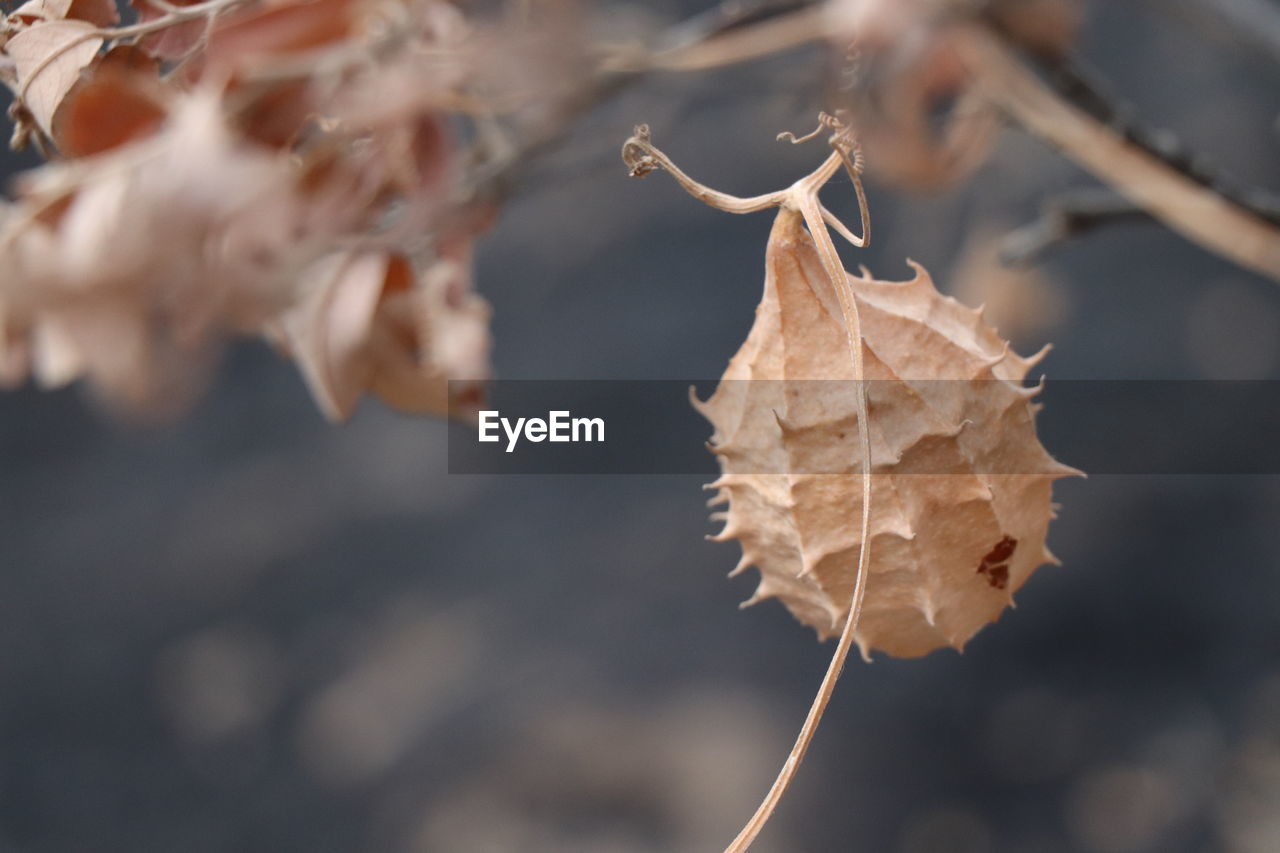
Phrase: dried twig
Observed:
(1084, 89)
(801, 200)
(797, 28)
(724, 18)
(1065, 217)
(1172, 188)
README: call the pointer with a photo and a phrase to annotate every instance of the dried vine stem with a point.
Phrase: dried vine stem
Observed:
(1197, 211)
(774, 35)
(727, 34)
(801, 198)
(1065, 217)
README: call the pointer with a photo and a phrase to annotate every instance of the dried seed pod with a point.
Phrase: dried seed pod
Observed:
(812, 478)
(960, 493)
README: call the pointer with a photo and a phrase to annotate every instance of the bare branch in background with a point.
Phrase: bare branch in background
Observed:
(1065, 217)
(1170, 190)
(724, 18)
(1082, 88)
(741, 44)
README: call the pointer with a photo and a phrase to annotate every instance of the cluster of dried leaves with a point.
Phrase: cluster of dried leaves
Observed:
(286, 169)
(316, 171)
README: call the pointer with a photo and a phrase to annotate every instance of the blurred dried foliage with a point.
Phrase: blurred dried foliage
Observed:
(232, 167)
(224, 168)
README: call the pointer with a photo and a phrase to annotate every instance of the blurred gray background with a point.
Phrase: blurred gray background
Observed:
(252, 631)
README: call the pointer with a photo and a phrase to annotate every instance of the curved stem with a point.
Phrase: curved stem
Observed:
(832, 221)
(178, 16)
(802, 198)
(642, 157)
(853, 167)
(811, 210)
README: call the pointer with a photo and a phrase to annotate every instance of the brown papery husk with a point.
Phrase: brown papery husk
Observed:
(961, 486)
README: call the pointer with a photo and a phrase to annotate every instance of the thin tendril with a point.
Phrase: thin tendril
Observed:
(802, 198)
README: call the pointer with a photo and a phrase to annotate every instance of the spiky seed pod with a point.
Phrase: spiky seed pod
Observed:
(961, 486)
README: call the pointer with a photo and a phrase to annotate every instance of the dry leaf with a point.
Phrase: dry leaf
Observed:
(432, 348)
(122, 267)
(102, 13)
(189, 207)
(960, 487)
(367, 324)
(49, 57)
(41, 10)
(117, 100)
(15, 353)
(171, 42)
(328, 334)
(284, 29)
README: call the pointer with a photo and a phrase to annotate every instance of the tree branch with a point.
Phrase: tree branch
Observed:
(1150, 170)
(1065, 217)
